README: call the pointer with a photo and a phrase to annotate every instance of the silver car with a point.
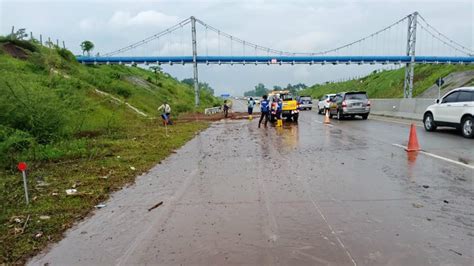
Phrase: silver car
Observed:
(350, 104)
(305, 102)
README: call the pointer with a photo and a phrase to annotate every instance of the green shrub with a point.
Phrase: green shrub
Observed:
(66, 55)
(115, 75)
(37, 111)
(181, 108)
(71, 149)
(12, 142)
(122, 90)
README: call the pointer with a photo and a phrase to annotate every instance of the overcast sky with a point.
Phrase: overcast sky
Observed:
(305, 26)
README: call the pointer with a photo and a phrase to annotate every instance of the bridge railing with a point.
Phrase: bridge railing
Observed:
(212, 110)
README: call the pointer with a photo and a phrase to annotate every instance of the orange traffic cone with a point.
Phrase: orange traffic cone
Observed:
(326, 119)
(413, 140)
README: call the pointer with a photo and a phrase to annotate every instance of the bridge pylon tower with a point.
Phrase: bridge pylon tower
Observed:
(195, 67)
(410, 67)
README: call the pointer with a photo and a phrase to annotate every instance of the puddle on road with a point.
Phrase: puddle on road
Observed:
(288, 136)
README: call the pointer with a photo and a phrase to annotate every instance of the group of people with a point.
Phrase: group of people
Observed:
(266, 109)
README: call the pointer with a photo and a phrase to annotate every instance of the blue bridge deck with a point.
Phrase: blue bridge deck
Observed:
(275, 60)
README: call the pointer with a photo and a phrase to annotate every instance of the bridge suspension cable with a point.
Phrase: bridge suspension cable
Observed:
(287, 53)
(447, 41)
(151, 38)
(372, 44)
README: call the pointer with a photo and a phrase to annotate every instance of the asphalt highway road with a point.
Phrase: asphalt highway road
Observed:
(305, 194)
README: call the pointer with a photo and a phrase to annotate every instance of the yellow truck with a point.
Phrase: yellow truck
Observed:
(290, 109)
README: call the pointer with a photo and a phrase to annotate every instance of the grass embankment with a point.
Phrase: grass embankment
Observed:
(73, 137)
(388, 83)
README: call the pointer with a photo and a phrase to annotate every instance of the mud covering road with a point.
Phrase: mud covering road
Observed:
(306, 194)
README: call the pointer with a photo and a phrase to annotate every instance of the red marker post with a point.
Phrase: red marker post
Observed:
(22, 167)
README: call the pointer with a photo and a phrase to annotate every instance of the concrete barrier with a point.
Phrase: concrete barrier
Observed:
(213, 110)
(402, 108)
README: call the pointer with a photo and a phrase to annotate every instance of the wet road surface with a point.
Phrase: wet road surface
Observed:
(306, 194)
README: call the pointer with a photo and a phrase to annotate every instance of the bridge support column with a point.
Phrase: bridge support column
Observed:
(195, 67)
(410, 67)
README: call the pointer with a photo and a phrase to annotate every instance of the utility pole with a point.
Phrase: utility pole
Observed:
(410, 67)
(195, 67)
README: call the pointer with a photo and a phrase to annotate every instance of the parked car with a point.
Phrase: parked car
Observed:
(350, 104)
(305, 102)
(455, 109)
(323, 103)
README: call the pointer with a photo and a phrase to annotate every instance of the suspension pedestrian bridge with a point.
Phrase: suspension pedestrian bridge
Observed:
(410, 40)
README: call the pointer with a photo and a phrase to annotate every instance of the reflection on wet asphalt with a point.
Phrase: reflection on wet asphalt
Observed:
(305, 194)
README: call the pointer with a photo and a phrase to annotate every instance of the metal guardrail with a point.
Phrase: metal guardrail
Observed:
(213, 110)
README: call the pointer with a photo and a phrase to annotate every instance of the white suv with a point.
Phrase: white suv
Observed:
(455, 109)
(323, 103)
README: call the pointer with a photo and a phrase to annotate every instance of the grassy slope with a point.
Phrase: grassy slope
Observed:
(51, 117)
(389, 83)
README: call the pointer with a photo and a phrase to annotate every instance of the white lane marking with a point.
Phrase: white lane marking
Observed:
(438, 157)
(395, 121)
(318, 209)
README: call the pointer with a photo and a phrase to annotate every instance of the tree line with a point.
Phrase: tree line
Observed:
(261, 90)
(202, 85)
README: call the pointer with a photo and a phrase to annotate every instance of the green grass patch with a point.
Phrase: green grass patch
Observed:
(83, 164)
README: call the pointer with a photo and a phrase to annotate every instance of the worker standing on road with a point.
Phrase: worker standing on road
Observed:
(226, 108)
(279, 108)
(167, 113)
(265, 110)
(250, 105)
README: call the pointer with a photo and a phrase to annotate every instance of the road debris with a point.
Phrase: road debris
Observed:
(26, 222)
(133, 168)
(39, 234)
(445, 201)
(417, 205)
(100, 206)
(156, 206)
(41, 183)
(71, 191)
(45, 217)
(426, 186)
(454, 251)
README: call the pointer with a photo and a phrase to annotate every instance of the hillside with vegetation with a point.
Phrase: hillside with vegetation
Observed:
(88, 128)
(389, 83)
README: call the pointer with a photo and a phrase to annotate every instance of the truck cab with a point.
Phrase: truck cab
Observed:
(290, 106)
